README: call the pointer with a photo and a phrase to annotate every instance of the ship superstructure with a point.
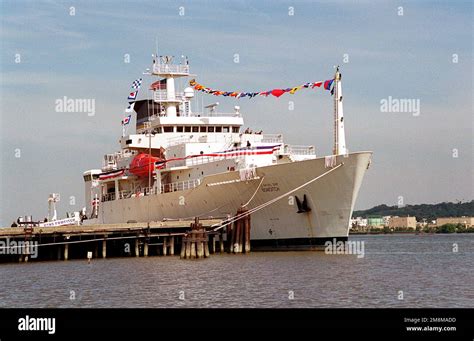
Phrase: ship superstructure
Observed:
(182, 163)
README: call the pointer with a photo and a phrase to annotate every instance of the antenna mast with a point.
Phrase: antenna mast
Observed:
(339, 133)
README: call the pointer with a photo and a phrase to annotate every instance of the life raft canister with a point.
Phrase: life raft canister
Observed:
(143, 164)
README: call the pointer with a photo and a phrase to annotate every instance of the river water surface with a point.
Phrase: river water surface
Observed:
(396, 271)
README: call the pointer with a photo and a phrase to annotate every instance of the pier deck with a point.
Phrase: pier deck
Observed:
(163, 226)
(113, 240)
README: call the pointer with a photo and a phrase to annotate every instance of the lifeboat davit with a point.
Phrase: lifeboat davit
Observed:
(143, 164)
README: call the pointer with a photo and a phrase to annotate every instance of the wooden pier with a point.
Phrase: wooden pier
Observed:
(191, 239)
(111, 240)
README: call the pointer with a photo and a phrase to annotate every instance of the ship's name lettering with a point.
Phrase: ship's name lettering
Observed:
(271, 187)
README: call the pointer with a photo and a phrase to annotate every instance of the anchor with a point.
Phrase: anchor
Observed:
(302, 206)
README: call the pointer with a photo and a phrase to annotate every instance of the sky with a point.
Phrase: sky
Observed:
(419, 51)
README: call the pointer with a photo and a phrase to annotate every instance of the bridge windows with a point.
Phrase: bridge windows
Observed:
(198, 129)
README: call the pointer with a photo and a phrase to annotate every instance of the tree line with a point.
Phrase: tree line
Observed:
(422, 211)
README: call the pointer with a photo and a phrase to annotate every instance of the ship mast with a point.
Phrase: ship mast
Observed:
(164, 67)
(339, 134)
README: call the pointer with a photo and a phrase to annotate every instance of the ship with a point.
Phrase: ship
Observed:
(183, 163)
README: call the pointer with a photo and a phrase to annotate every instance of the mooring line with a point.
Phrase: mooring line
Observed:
(257, 208)
(258, 187)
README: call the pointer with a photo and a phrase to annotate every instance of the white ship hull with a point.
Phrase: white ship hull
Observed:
(330, 198)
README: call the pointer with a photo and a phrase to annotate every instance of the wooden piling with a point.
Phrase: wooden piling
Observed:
(206, 247)
(137, 249)
(196, 241)
(172, 246)
(200, 243)
(188, 249)
(239, 238)
(104, 248)
(66, 251)
(26, 253)
(193, 249)
(221, 240)
(239, 235)
(247, 233)
(145, 248)
(183, 249)
(213, 243)
(165, 246)
(232, 237)
(229, 236)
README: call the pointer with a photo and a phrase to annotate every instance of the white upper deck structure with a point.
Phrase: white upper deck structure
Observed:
(167, 121)
(189, 145)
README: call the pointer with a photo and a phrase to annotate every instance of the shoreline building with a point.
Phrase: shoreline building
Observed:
(466, 221)
(375, 221)
(404, 222)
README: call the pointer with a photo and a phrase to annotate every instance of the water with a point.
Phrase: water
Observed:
(424, 267)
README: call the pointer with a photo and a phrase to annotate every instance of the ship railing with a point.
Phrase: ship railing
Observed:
(200, 160)
(148, 190)
(110, 160)
(162, 95)
(173, 141)
(197, 138)
(108, 196)
(121, 195)
(124, 194)
(169, 68)
(215, 114)
(142, 192)
(180, 185)
(299, 150)
(272, 138)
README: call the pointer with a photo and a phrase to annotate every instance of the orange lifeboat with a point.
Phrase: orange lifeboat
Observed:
(143, 164)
